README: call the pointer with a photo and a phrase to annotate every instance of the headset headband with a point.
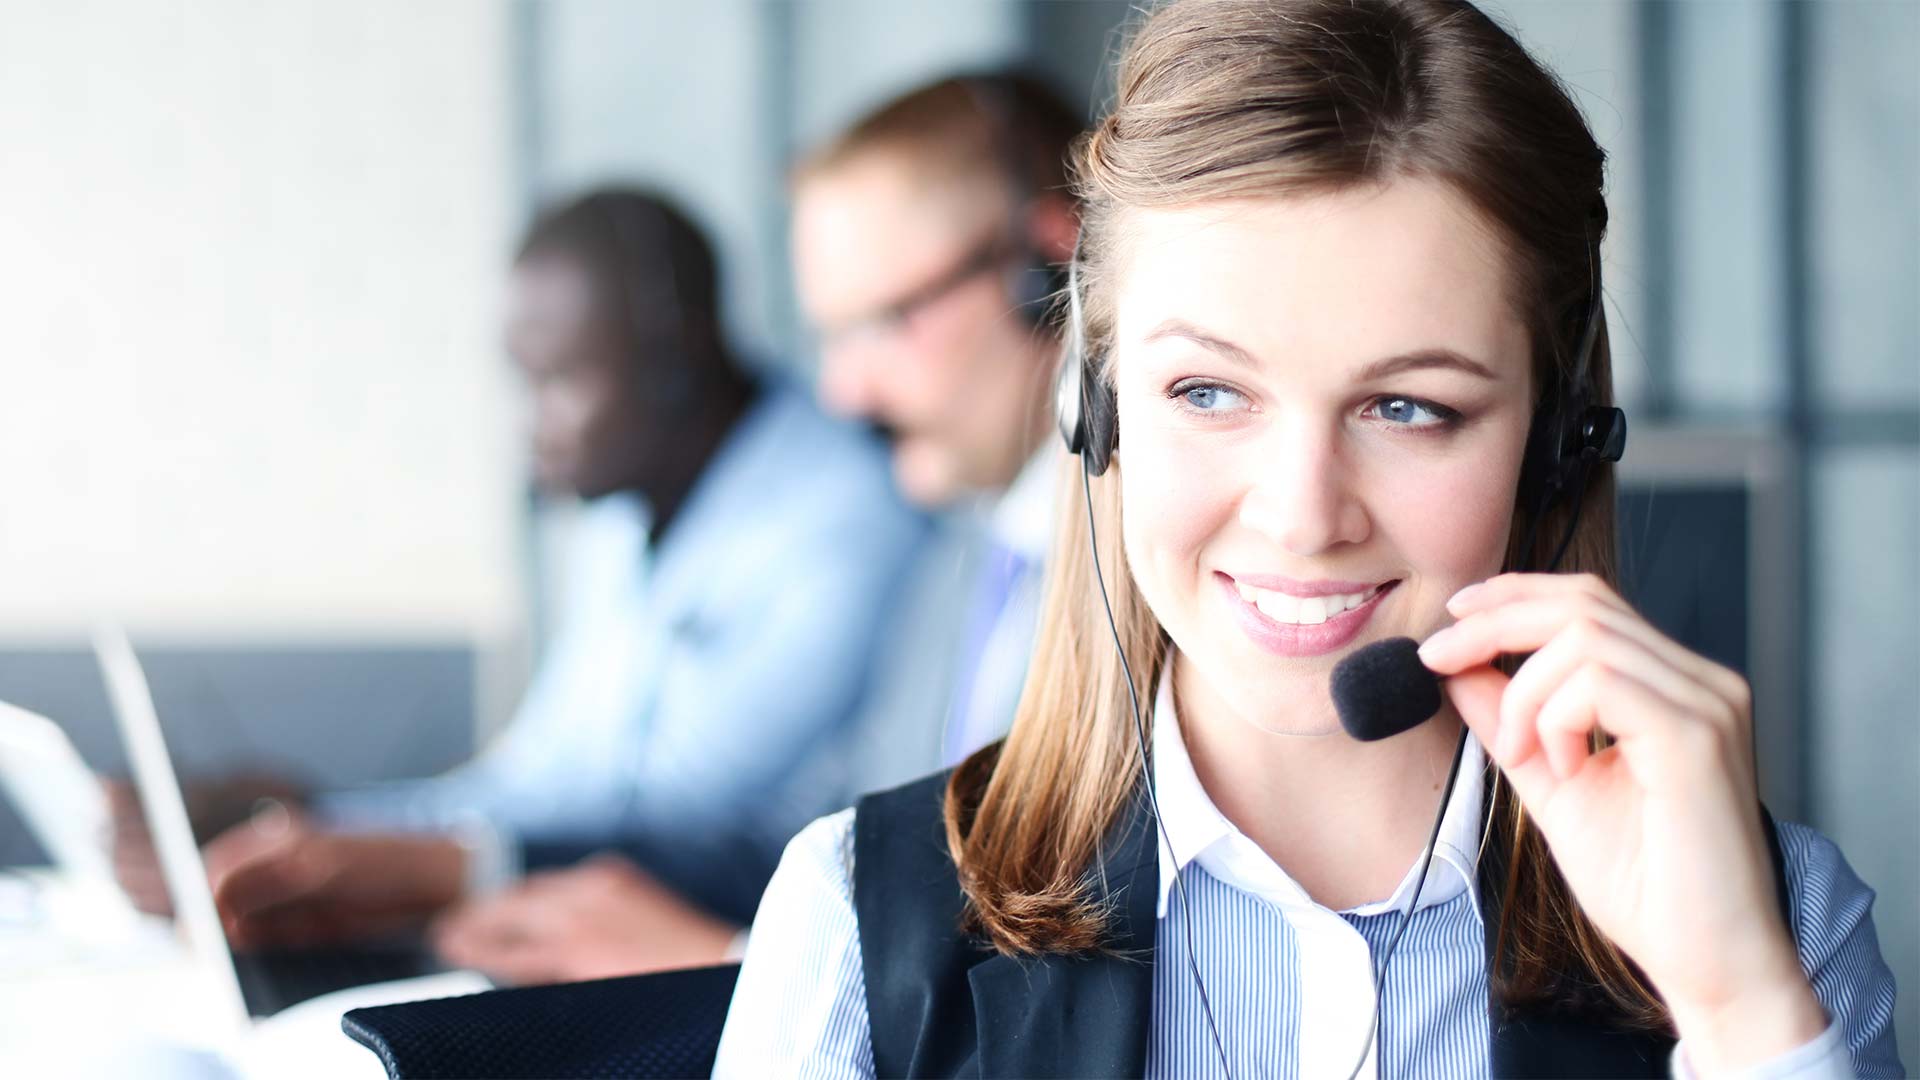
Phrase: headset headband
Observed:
(1567, 436)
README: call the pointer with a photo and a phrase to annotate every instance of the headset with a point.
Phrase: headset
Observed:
(1033, 284)
(1569, 436)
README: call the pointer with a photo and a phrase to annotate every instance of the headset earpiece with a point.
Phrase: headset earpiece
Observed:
(1084, 403)
(1569, 434)
(1034, 286)
(1602, 434)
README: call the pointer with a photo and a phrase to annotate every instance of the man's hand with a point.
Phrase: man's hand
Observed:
(212, 808)
(597, 920)
(278, 881)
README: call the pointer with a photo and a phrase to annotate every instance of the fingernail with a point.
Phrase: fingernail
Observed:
(1432, 646)
(1463, 597)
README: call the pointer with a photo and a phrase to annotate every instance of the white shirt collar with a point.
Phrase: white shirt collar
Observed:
(1200, 833)
(1022, 518)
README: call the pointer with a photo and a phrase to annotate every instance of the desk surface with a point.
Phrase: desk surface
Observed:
(86, 993)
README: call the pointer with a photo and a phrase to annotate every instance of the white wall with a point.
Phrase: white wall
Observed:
(249, 372)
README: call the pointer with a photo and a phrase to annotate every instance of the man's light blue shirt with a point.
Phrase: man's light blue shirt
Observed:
(678, 708)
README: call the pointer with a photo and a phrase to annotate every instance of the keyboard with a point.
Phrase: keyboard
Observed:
(279, 979)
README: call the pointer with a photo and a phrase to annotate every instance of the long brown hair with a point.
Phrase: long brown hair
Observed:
(1225, 99)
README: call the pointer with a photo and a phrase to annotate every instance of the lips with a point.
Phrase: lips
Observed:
(1286, 622)
(1286, 607)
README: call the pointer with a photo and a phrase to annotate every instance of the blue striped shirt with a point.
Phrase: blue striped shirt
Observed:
(1290, 981)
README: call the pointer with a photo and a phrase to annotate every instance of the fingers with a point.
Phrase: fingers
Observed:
(136, 866)
(1566, 620)
(503, 937)
(1506, 588)
(1576, 646)
(472, 927)
(1476, 696)
(515, 963)
(123, 802)
(217, 805)
(315, 920)
(1631, 710)
(292, 926)
(140, 878)
(1556, 746)
(1526, 625)
(1588, 595)
(256, 866)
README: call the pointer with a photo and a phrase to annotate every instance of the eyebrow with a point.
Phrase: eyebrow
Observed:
(1434, 357)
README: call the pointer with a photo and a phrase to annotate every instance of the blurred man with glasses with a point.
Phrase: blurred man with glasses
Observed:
(927, 241)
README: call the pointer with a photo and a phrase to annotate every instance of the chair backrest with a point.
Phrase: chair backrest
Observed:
(664, 1025)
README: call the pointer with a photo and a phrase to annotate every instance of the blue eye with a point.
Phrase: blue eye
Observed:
(1412, 412)
(1210, 398)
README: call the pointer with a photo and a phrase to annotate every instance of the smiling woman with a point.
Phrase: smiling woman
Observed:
(1305, 417)
(1335, 329)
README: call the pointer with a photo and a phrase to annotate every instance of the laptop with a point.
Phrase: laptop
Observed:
(250, 985)
(56, 795)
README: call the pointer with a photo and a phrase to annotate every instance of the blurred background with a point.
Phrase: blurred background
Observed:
(255, 403)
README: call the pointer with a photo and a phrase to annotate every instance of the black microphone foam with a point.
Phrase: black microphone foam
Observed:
(1384, 689)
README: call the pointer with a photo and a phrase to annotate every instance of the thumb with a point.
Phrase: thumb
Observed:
(1476, 695)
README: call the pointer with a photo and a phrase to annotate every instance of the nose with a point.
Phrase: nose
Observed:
(1305, 494)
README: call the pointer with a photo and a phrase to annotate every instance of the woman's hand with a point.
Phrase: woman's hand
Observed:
(1658, 835)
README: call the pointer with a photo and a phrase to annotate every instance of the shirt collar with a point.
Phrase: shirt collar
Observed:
(1022, 518)
(1200, 833)
(754, 455)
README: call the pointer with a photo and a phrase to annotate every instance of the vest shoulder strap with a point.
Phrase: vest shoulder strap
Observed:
(942, 1002)
(907, 901)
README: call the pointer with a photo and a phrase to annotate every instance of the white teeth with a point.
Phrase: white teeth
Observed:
(1301, 610)
(1277, 606)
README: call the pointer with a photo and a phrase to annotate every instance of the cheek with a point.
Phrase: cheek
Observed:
(1178, 495)
(929, 369)
(562, 409)
(965, 341)
(1451, 519)
(607, 410)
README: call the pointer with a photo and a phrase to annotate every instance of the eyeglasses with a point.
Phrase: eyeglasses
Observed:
(892, 317)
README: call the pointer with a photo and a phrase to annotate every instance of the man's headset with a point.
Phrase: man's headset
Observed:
(1569, 435)
(1033, 283)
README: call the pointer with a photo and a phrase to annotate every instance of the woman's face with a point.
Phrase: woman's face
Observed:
(1323, 405)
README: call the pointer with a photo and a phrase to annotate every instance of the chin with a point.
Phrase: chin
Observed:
(1295, 702)
(925, 476)
(555, 486)
(921, 492)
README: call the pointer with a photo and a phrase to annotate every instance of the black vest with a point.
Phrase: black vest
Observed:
(942, 1003)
